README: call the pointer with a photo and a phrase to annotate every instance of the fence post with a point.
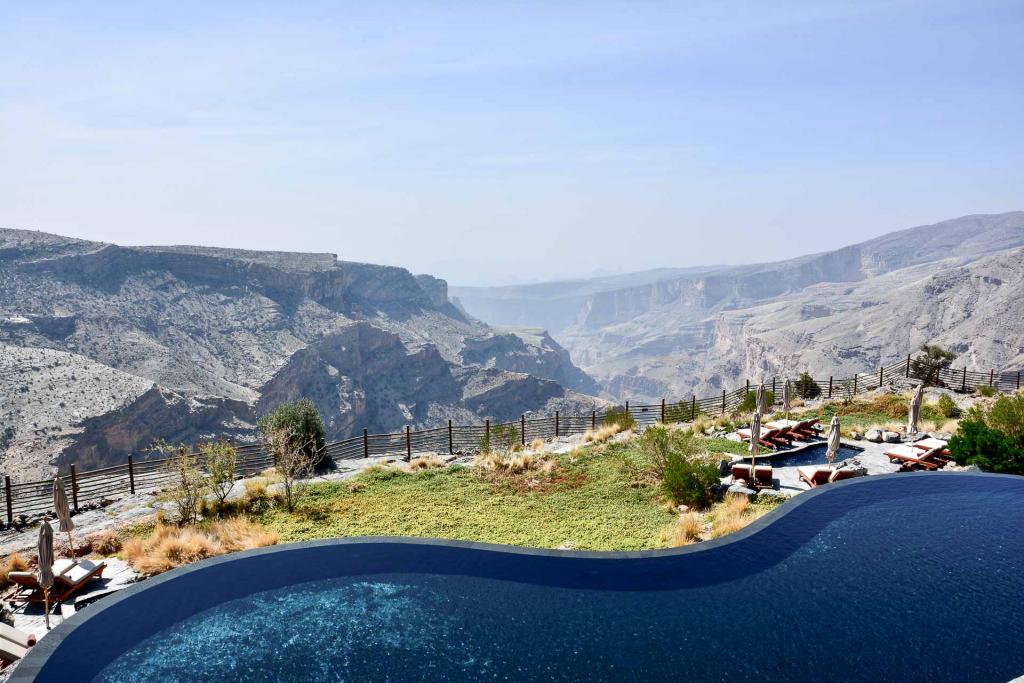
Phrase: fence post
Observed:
(723, 401)
(881, 376)
(663, 411)
(1018, 380)
(522, 427)
(74, 487)
(366, 443)
(557, 416)
(451, 441)
(830, 387)
(855, 376)
(773, 389)
(487, 433)
(748, 386)
(408, 444)
(627, 406)
(10, 506)
(908, 366)
(963, 386)
(131, 475)
(593, 416)
(693, 408)
(992, 378)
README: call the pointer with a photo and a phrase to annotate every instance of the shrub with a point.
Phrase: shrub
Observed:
(15, 562)
(168, 547)
(426, 462)
(189, 482)
(295, 427)
(690, 479)
(749, 402)
(686, 530)
(256, 499)
(104, 542)
(992, 439)
(684, 411)
(502, 439)
(621, 418)
(806, 387)
(986, 390)
(928, 366)
(947, 406)
(221, 462)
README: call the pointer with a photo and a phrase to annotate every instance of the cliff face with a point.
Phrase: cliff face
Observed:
(192, 342)
(673, 333)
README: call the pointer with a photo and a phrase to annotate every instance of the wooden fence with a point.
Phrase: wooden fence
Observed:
(31, 498)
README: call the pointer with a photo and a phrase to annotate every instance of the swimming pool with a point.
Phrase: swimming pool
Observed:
(911, 576)
(813, 454)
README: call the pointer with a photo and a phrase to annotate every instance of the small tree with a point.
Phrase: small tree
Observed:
(749, 402)
(301, 423)
(221, 462)
(189, 482)
(501, 439)
(806, 387)
(929, 366)
(621, 418)
(294, 460)
(658, 443)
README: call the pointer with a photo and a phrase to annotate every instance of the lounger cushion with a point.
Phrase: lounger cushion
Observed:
(11, 652)
(16, 636)
(81, 570)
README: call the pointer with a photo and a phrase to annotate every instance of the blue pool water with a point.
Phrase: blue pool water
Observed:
(907, 577)
(811, 455)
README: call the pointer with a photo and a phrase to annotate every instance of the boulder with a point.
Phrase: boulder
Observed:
(683, 509)
(856, 436)
(771, 493)
(741, 489)
(873, 435)
(891, 437)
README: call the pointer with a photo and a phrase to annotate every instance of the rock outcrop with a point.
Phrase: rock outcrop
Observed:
(673, 333)
(108, 348)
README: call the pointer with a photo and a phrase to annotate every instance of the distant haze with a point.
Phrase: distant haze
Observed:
(491, 143)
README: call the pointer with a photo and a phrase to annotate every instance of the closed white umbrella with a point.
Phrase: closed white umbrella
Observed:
(60, 505)
(755, 436)
(46, 566)
(915, 410)
(787, 398)
(833, 439)
(762, 404)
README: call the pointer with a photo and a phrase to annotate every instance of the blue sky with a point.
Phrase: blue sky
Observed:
(502, 142)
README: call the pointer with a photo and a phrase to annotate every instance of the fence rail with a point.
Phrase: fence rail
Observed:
(92, 486)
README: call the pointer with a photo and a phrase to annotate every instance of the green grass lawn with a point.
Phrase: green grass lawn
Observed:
(589, 502)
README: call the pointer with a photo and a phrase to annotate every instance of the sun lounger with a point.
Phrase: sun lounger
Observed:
(911, 457)
(784, 437)
(932, 444)
(763, 478)
(741, 470)
(14, 644)
(805, 429)
(815, 475)
(68, 579)
(767, 437)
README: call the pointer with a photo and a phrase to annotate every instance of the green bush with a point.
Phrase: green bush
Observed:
(749, 403)
(947, 406)
(621, 418)
(806, 387)
(934, 360)
(679, 460)
(684, 411)
(992, 439)
(302, 426)
(501, 439)
(986, 390)
(690, 480)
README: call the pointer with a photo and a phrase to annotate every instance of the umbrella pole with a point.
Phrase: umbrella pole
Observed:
(71, 548)
(46, 607)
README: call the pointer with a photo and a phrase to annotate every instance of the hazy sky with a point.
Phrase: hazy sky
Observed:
(490, 142)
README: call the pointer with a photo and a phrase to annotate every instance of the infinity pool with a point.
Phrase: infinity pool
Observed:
(905, 577)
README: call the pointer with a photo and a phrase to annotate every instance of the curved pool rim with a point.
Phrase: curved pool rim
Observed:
(37, 658)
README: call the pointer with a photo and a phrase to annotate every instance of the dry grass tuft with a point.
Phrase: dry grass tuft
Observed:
(168, 546)
(601, 434)
(105, 542)
(15, 562)
(426, 462)
(736, 512)
(537, 444)
(686, 531)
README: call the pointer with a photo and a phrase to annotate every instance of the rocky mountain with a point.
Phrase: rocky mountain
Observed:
(104, 349)
(667, 333)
